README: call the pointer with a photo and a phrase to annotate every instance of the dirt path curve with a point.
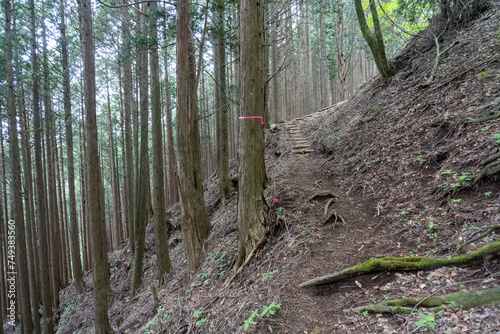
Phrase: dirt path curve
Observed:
(320, 247)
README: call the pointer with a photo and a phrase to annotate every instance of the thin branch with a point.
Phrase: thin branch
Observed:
(134, 4)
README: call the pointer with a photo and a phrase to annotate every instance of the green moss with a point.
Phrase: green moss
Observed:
(465, 300)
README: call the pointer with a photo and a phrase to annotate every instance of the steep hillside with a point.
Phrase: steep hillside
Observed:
(401, 157)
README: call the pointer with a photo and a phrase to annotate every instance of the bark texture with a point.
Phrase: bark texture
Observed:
(95, 199)
(194, 220)
(41, 203)
(162, 225)
(251, 173)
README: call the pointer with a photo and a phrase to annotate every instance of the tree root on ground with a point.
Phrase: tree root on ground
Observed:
(327, 206)
(484, 234)
(337, 216)
(495, 115)
(465, 300)
(323, 193)
(490, 169)
(409, 264)
(249, 258)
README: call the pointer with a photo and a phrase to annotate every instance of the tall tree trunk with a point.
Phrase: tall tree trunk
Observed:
(30, 222)
(95, 199)
(64, 215)
(141, 205)
(221, 104)
(273, 98)
(128, 97)
(3, 245)
(115, 221)
(173, 192)
(374, 39)
(54, 231)
(18, 264)
(252, 172)
(195, 224)
(3, 300)
(162, 225)
(73, 222)
(324, 99)
(41, 204)
(59, 161)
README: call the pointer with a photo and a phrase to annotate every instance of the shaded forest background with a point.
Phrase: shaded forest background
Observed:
(314, 56)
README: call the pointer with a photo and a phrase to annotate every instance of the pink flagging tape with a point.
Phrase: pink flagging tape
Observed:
(262, 118)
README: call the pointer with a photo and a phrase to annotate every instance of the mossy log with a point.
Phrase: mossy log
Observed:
(465, 300)
(408, 264)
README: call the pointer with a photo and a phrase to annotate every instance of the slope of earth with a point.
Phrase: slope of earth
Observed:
(399, 159)
(427, 157)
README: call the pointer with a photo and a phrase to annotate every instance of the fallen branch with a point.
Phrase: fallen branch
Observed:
(465, 300)
(408, 264)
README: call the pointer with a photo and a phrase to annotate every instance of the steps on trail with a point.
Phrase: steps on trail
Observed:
(300, 144)
(303, 151)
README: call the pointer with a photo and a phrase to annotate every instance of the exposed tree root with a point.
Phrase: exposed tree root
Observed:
(489, 169)
(249, 258)
(465, 300)
(484, 234)
(495, 115)
(436, 60)
(336, 215)
(327, 206)
(323, 193)
(409, 264)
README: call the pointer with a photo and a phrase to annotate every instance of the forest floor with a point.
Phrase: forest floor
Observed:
(399, 155)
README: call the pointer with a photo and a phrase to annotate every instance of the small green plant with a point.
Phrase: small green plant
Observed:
(488, 193)
(482, 75)
(420, 159)
(426, 320)
(201, 322)
(464, 177)
(269, 275)
(497, 137)
(456, 200)
(248, 322)
(365, 313)
(270, 310)
(432, 225)
(198, 313)
(404, 212)
(448, 172)
(373, 300)
(267, 311)
(486, 128)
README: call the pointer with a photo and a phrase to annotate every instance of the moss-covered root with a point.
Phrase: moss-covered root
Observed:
(409, 264)
(465, 300)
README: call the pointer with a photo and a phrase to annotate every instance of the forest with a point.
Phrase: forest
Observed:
(154, 155)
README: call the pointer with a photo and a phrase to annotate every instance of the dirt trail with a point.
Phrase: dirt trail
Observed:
(324, 247)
